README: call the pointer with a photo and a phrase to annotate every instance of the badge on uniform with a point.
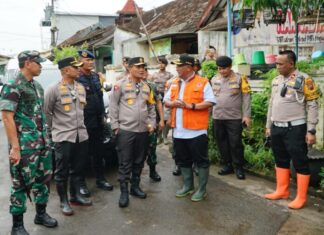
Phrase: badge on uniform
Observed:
(66, 108)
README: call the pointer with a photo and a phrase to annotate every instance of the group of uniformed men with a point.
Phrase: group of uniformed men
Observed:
(71, 120)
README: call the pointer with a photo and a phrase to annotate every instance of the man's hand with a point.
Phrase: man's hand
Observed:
(310, 139)
(267, 132)
(116, 131)
(161, 125)
(14, 156)
(178, 104)
(247, 121)
(150, 130)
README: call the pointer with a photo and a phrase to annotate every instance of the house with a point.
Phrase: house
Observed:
(67, 23)
(3, 62)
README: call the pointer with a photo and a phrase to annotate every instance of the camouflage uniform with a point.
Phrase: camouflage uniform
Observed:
(151, 155)
(26, 99)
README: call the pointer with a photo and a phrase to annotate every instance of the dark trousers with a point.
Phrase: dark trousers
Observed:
(228, 136)
(288, 143)
(96, 150)
(71, 159)
(189, 151)
(132, 150)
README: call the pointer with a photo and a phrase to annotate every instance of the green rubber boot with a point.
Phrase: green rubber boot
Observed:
(188, 184)
(201, 193)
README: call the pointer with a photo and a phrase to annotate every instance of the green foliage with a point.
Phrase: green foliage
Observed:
(213, 152)
(322, 175)
(209, 68)
(64, 52)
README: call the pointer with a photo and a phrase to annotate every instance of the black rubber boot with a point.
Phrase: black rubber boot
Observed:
(154, 175)
(62, 192)
(123, 200)
(84, 191)
(135, 188)
(102, 183)
(43, 218)
(75, 196)
(18, 225)
(226, 170)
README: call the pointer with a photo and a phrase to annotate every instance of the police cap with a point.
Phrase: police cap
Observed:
(30, 55)
(136, 61)
(69, 61)
(184, 59)
(224, 61)
(125, 59)
(86, 54)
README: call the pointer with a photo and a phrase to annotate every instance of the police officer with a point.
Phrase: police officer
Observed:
(232, 112)
(126, 72)
(291, 122)
(64, 104)
(160, 79)
(151, 155)
(189, 98)
(132, 114)
(93, 118)
(21, 103)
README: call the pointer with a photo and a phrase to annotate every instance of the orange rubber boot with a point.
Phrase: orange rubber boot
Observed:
(302, 188)
(282, 190)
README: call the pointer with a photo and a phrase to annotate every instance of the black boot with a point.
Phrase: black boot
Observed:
(135, 188)
(102, 183)
(18, 225)
(176, 171)
(123, 200)
(84, 191)
(226, 170)
(240, 173)
(62, 192)
(154, 175)
(43, 218)
(75, 196)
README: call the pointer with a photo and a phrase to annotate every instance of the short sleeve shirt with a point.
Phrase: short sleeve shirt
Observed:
(26, 99)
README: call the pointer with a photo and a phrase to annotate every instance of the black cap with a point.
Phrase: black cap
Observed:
(163, 60)
(86, 54)
(125, 59)
(136, 61)
(69, 61)
(224, 61)
(30, 55)
(184, 59)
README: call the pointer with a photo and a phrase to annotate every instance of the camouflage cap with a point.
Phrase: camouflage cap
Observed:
(30, 55)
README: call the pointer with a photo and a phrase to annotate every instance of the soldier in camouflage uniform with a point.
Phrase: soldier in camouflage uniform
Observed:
(153, 137)
(21, 104)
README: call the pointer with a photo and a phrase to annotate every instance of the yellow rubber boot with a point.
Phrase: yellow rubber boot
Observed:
(282, 190)
(302, 188)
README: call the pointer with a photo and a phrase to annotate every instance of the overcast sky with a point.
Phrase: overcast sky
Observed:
(20, 19)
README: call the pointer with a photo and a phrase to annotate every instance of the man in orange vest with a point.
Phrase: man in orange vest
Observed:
(189, 98)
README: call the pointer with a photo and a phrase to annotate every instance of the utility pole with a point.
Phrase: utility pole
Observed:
(229, 29)
(145, 31)
(53, 28)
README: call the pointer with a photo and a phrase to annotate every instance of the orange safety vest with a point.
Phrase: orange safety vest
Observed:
(193, 93)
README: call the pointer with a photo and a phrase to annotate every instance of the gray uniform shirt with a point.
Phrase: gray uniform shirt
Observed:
(131, 106)
(233, 97)
(160, 79)
(64, 112)
(297, 104)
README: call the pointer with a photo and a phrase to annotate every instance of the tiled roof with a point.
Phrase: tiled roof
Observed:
(182, 15)
(90, 34)
(129, 8)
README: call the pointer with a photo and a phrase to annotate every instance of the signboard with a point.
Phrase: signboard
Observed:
(161, 47)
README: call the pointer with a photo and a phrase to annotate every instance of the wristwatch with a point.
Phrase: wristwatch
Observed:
(312, 131)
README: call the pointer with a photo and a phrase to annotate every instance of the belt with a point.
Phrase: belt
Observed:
(291, 123)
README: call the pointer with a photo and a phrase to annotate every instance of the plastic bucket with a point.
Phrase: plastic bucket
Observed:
(239, 59)
(258, 57)
(270, 59)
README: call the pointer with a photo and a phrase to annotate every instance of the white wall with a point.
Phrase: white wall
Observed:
(68, 25)
(119, 52)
